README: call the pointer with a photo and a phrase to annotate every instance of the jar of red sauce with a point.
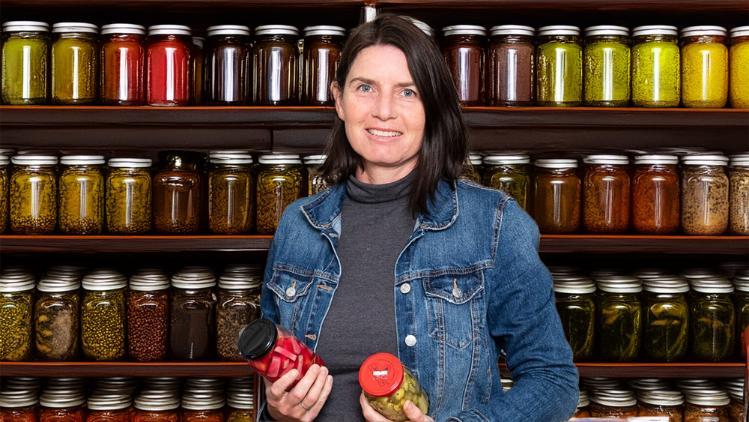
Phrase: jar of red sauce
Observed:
(168, 65)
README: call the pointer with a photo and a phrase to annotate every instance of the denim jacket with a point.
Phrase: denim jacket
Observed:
(468, 283)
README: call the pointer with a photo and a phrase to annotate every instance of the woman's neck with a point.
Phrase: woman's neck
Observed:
(376, 175)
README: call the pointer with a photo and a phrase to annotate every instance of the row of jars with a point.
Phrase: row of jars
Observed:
(147, 318)
(123, 64)
(116, 400)
(653, 315)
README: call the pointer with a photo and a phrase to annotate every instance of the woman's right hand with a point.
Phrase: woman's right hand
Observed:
(304, 401)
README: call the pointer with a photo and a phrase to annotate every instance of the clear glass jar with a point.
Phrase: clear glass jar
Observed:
(240, 400)
(156, 406)
(741, 299)
(129, 195)
(472, 168)
(176, 193)
(75, 63)
(238, 305)
(662, 403)
(704, 66)
(559, 61)
(389, 392)
(33, 194)
(655, 194)
(666, 319)
(463, 49)
(510, 174)
(738, 220)
(607, 69)
(230, 200)
(275, 58)
(227, 65)
(109, 407)
(4, 187)
(323, 45)
(81, 199)
(202, 407)
(57, 318)
(192, 313)
(712, 317)
(510, 66)
(168, 65)
(556, 195)
(613, 404)
(606, 194)
(197, 64)
(618, 318)
(19, 405)
(707, 405)
(279, 183)
(315, 181)
(739, 60)
(148, 315)
(123, 57)
(103, 316)
(575, 302)
(63, 400)
(16, 310)
(25, 58)
(704, 194)
(656, 66)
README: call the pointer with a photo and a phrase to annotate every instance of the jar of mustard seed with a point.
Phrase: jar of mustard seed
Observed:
(16, 309)
(33, 194)
(128, 195)
(81, 199)
(279, 183)
(704, 66)
(230, 197)
(103, 315)
(559, 66)
(656, 66)
(607, 66)
(75, 63)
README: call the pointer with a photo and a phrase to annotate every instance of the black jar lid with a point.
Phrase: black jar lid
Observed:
(257, 338)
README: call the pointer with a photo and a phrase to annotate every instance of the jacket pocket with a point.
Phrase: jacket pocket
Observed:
(453, 302)
(291, 287)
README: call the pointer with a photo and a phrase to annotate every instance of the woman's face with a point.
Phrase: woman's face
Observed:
(382, 112)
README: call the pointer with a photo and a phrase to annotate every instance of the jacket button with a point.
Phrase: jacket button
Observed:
(290, 292)
(410, 340)
(405, 288)
(457, 293)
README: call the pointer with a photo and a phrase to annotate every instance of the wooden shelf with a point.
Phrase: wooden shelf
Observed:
(661, 370)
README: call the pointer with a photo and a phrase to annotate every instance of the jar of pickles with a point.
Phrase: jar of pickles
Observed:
(279, 183)
(156, 406)
(666, 318)
(656, 66)
(81, 199)
(122, 62)
(387, 385)
(704, 70)
(238, 305)
(275, 60)
(103, 315)
(463, 49)
(618, 318)
(176, 193)
(4, 186)
(510, 66)
(557, 191)
(19, 405)
(75, 63)
(705, 193)
(510, 174)
(148, 315)
(559, 71)
(129, 195)
(738, 221)
(606, 194)
(739, 60)
(33, 194)
(322, 53)
(607, 67)
(16, 308)
(575, 302)
(230, 201)
(315, 181)
(227, 65)
(168, 65)
(57, 317)
(655, 194)
(707, 405)
(613, 404)
(712, 319)
(109, 408)
(25, 61)
(741, 298)
(665, 403)
(192, 313)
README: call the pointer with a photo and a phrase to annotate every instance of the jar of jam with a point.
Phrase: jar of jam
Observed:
(510, 174)
(109, 408)
(739, 60)
(81, 199)
(666, 323)
(712, 319)
(103, 315)
(230, 200)
(741, 298)
(192, 314)
(559, 66)
(704, 66)
(315, 181)
(63, 400)
(656, 66)
(606, 194)
(557, 190)
(227, 65)
(148, 315)
(275, 58)
(25, 58)
(75, 63)
(583, 402)
(473, 168)
(655, 194)
(463, 49)
(575, 302)
(129, 195)
(388, 384)
(738, 220)
(279, 183)
(4, 186)
(510, 66)
(168, 65)
(33, 194)
(156, 405)
(666, 403)
(123, 59)
(707, 405)
(238, 305)
(16, 308)
(197, 59)
(322, 54)
(618, 318)
(19, 405)
(613, 404)
(704, 195)
(607, 69)
(176, 193)
(57, 317)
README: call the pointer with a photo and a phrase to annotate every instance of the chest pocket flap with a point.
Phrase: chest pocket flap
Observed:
(454, 288)
(290, 284)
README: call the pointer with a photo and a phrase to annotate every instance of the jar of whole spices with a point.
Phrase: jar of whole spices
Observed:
(33, 194)
(655, 194)
(463, 49)
(230, 200)
(575, 303)
(227, 65)
(559, 61)
(666, 318)
(4, 187)
(129, 195)
(606, 193)
(16, 308)
(279, 183)
(704, 197)
(75, 63)
(19, 405)
(81, 199)
(109, 407)
(64, 400)
(315, 181)
(557, 190)
(156, 405)
(197, 75)
(322, 53)
(275, 61)
(613, 404)
(583, 403)
(510, 66)
(704, 66)
(618, 318)
(103, 315)
(122, 64)
(739, 194)
(203, 406)
(509, 173)
(741, 298)
(665, 403)
(57, 317)
(712, 317)
(176, 193)
(707, 405)
(25, 58)
(656, 66)
(739, 60)
(238, 305)
(168, 65)
(192, 314)
(607, 69)
(148, 315)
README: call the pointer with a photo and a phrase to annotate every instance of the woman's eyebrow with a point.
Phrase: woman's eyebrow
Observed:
(372, 82)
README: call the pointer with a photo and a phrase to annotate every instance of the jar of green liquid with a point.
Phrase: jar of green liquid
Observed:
(559, 66)
(607, 66)
(24, 62)
(75, 63)
(656, 78)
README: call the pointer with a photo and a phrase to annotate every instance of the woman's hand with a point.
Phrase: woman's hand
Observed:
(303, 402)
(413, 413)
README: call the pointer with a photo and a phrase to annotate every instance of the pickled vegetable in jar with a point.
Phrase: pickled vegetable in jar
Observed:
(192, 313)
(57, 318)
(4, 187)
(510, 66)
(664, 403)
(123, 60)
(510, 174)
(323, 45)
(275, 61)
(16, 309)
(705, 194)
(279, 183)
(707, 405)
(613, 404)
(741, 298)
(109, 407)
(148, 315)
(227, 65)
(177, 190)
(655, 194)
(575, 303)
(739, 62)
(19, 405)
(157, 405)
(387, 385)
(81, 199)
(463, 49)
(129, 195)
(559, 66)
(33, 194)
(238, 305)
(75, 63)
(315, 182)
(103, 315)
(25, 62)
(606, 194)
(230, 200)
(712, 319)
(656, 66)
(607, 69)
(619, 318)
(557, 192)
(704, 66)
(666, 319)
(738, 197)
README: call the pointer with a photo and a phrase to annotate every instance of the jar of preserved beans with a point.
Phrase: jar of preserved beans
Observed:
(618, 318)
(148, 315)
(739, 194)
(712, 319)
(607, 67)
(741, 297)
(123, 59)
(613, 404)
(230, 201)
(322, 53)
(192, 314)
(4, 187)
(315, 181)
(510, 66)
(656, 66)
(81, 199)
(510, 174)
(388, 384)
(129, 195)
(583, 403)
(63, 403)
(655, 194)
(575, 302)
(704, 194)
(707, 405)
(559, 66)
(205, 406)
(25, 58)
(176, 193)
(238, 305)
(666, 324)
(16, 308)
(109, 408)
(463, 49)
(57, 318)
(75, 63)
(606, 194)
(704, 66)
(19, 405)
(227, 65)
(739, 60)
(279, 183)
(33, 194)
(197, 59)
(103, 315)
(666, 403)
(168, 65)
(557, 190)
(275, 58)
(156, 406)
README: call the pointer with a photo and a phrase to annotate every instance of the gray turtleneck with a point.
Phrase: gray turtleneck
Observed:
(376, 223)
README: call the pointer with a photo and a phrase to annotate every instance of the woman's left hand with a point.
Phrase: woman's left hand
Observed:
(413, 413)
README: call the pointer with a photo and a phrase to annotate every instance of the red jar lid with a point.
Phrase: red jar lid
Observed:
(381, 375)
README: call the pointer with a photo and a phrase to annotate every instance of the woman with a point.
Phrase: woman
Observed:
(402, 256)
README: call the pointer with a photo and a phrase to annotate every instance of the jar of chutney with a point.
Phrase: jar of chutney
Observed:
(177, 190)
(606, 193)
(666, 319)
(656, 66)
(16, 309)
(655, 194)
(192, 314)
(81, 199)
(509, 173)
(275, 61)
(128, 194)
(25, 62)
(279, 183)
(322, 54)
(607, 69)
(712, 319)
(230, 197)
(463, 49)
(33, 194)
(618, 318)
(75, 63)
(510, 66)
(103, 315)
(227, 65)
(704, 66)
(557, 194)
(148, 315)
(123, 58)
(168, 65)
(559, 66)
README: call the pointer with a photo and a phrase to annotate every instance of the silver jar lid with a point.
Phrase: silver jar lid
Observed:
(464, 30)
(241, 399)
(654, 30)
(581, 287)
(7, 151)
(740, 160)
(62, 27)
(66, 271)
(553, 30)
(280, 159)
(130, 162)
(564, 270)
(149, 280)
(740, 31)
(712, 285)
(198, 42)
(315, 160)
(695, 31)
(423, 26)
(169, 30)
(276, 30)
(619, 284)
(662, 397)
(705, 160)
(504, 159)
(606, 159)
(25, 26)
(520, 30)
(82, 160)
(18, 398)
(614, 398)
(204, 383)
(646, 273)
(57, 285)
(706, 398)
(161, 383)
(123, 28)
(741, 283)
(601, 383)
(22, 383)
(104, 279)
(62, 398)
(230, 158)
(203, 401)
(603, 30)
(475, 159)
(657, 159)
(583, 399)
(4, 160)
(194, 277)
(116, 382)
(228, 30)
(695, 273)
(666, 285)
(243, 269)
(320, 30)
(157, 400)
(19, 282)
(109, 401)
(696, 384)
(34, 160)
(239, 282)
(556, 163)
(648, 384)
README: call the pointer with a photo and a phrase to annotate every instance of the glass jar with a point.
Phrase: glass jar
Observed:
(583, 403)
(666, 403)
(739, 195)
(148, 315)
(19, 405)
(75, 63)
(607, 68)
(707, 405)
(63, 400)
(129, 195)
(240, 400)
(230, 200)
(510, 174)
(739, 60)
(168, 65)
(33, 194)
(315, 181)
(666, 323)
(463, 49)
(4, 187)
(176, 193)
(741, 298)
(712, 318)
(156, 406)
(559, 61)
(279, 183)
(192, 314)
(387, 384)
(238, 305)
(275, 59)
(322, 54)
(25, 57)
(704, 66)
(618, 318)
(655, 194)
(704, 195)
(556, 195)
(227, 65)
(109, 407)
(510, 66)
(103, 315)
(197, 75)
(735, 389)
(656, 66)
(57, 318)
(613, 404)
(16, 309)
(202, 407)
(606, 194)
(575, 303)
(472, 168)
(122, 62)
(81, 199)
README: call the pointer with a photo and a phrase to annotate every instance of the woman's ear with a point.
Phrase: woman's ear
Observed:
(338, 98)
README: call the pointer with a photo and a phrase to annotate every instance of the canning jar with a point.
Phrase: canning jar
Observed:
(655, 194)
(510, 66)
(123, 59)
(741, 298)
(656, 66)
(240, 400)
(583, 403)
(606, 66)
(707, 405)
(712, 317)
(176, 193)
(739, 194)
(156, 406)
(25, 57)
(556, 195)
(575, 302)
(606, 194)
(148, 315)
(666, 319)
(238, 305)
(81, 199)
(666, 403)
(129, 195)
(103, 315)
(322, 54)
(559, 61)
(19, 405)
(202, 407)
(227, 65)
(230, 200)
(75, 63)
(279, 183)
(463, 49)
(66, 405)
(33, 194)
(192, 314)
(315, 181)
(4, 187)
(739, 61)
(472, 168)
(618, 318)
(275, 64)
(197, 75)
(387, 384)
(704, 66)
(510, 174)
(109, 407)
(168, 65)
(613, 404)
(735, 389)
(57, 317)
(16, 310)
(704, 196)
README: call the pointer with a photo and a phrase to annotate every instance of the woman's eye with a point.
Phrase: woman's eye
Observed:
(409, 92)
(364, 88)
